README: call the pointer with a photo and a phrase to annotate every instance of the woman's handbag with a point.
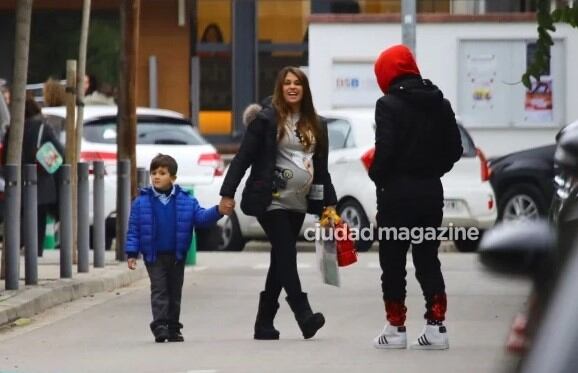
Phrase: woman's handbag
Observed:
(333, 246)
(345, 247)
(326, 253)
(47, 155)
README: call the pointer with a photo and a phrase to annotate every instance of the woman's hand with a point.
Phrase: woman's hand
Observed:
(226, 206)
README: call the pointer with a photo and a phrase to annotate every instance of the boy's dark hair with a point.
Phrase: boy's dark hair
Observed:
(164, 160)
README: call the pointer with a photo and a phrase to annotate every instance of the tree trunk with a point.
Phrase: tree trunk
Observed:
(70, 150)
(19, 79)
(81, 73)
(80, 115)
(129, 18)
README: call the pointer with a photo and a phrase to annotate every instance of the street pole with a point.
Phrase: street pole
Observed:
(98, 220)
(30, 220)
(408, 21)
(244, 60)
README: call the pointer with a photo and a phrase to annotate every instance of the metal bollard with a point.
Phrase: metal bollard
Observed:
(12, 226)
(124, 205)
(142, 177)
(65, 222)
(83, 225)
(30, 219)
(98, 219)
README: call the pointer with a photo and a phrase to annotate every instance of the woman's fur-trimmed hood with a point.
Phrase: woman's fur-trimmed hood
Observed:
(250, 113)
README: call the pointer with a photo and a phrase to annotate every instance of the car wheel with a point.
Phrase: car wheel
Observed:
(468, 246)
(522, 201)
(231, 237)
(352, 213)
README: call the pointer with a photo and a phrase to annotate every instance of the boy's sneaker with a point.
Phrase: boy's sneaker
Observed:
(175, 336)
(433, 337)
(161, 333)
(391, 337)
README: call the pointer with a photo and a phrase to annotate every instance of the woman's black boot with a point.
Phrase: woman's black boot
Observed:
(264, 328)
(309, 322)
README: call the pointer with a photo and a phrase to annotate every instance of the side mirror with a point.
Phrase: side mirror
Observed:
(566, 154)
(520, 248)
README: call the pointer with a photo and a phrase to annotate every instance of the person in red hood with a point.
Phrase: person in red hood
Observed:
(416, 141)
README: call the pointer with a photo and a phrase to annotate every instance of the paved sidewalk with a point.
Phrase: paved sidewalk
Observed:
(51, 290)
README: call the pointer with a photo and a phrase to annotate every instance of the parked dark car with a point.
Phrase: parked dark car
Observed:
(522, 182)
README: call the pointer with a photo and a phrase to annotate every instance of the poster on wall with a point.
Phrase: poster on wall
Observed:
(354, 84)
(481, 70)
(538, 103)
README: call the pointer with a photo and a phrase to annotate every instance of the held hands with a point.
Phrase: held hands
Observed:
(131, 263)
(329, 216)
(226, 206)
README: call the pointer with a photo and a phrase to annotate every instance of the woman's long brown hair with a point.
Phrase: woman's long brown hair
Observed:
(308, 123)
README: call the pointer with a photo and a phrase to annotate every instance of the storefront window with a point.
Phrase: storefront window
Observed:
(214, 51)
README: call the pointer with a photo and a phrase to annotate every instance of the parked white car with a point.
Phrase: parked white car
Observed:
(469, 199)
(158, 131)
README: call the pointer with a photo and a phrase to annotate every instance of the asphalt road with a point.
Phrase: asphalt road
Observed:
(109, 332)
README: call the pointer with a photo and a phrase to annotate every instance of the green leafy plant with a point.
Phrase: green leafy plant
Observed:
(546, 19)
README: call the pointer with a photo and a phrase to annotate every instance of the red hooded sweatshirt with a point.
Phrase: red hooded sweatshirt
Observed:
(393, 62)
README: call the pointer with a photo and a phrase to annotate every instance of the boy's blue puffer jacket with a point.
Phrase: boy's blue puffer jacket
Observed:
(141, 224)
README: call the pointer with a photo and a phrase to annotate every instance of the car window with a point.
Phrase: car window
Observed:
(339, 132)
(467, 143)
(166, 131)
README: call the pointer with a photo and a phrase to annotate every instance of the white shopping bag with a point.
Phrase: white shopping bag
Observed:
(326, 254)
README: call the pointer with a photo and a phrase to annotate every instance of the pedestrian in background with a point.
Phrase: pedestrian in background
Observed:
(161, 224)
(286, 146)
(416, 142)
(54, 93)
(97, 93)
(5, 91)
(4, 109)
(36, 133)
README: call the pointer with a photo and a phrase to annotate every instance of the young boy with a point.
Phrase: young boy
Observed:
(161, 224)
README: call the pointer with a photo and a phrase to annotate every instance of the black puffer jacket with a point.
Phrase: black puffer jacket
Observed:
(416, 132)
(259, 151)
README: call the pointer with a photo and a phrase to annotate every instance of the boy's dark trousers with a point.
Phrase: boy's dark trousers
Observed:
(166, 276)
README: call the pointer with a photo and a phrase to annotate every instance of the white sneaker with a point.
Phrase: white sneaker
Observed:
(433, 337)
(391, 337)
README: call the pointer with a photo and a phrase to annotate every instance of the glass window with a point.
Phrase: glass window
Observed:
(339, 131)
(213, 48)
(467, 143)
(149, 131)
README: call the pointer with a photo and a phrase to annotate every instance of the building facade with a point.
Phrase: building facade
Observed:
(210, 57)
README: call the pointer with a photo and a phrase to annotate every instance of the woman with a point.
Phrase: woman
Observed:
(286, 145)
(35, 133)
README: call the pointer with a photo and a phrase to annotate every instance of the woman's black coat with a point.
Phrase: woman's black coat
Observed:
(47, 183)
(259, 150)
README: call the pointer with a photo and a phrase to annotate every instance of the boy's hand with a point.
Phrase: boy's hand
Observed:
(131, 263)
(226, 206)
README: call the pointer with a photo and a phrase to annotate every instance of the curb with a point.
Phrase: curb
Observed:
(36, 299)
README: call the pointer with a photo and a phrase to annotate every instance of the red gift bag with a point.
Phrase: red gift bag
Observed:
(346, 253)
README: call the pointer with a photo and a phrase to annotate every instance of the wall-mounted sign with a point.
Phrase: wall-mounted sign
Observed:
(354, 84)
